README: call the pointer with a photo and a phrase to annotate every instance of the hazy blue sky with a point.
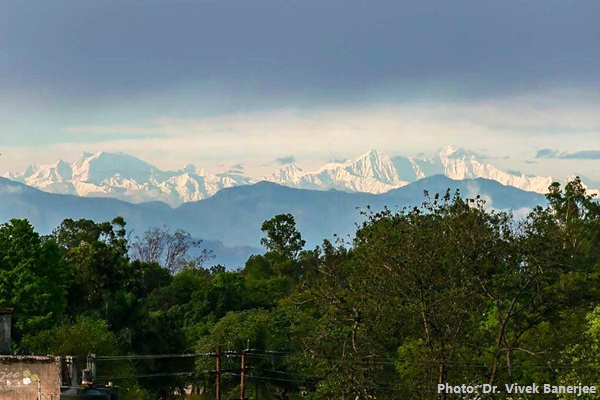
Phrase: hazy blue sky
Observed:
(221, 82)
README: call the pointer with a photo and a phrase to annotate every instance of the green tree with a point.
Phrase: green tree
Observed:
(84, 337)
(283, 239)
(582, 362)
(226, 293)
(97, 254)
(33, 278)
(563, 241)
(264, 287)
(284, 256)
(402, 309)
(267, 335)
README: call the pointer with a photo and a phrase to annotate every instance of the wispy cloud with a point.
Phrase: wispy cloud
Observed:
(420, 127)
(338, 160)
(335, 133)
(9, 189)
(111, 130)
(236, 169)
(285, 160)
(577, 155)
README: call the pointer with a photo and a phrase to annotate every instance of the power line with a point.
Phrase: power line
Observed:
(151, 356)
(158, 374)
(246, 372)
(282, 355)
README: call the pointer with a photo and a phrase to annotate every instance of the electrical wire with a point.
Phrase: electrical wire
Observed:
(152, 356)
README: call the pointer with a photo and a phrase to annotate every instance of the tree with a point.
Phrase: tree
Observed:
(264, 287)
(85, 336)
(97, 254)
(409, 294)
(33, 278)
(412, 270)
(284, 256)
(283, 239)
(267, 334)
(173, 250)
(581, 363)
(226, 293)
(562, 240)
(81, 338)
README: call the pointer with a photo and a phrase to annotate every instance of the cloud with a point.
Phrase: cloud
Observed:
(11, 189)
(521, 213)
(111, 130)
(334, 132)
(236, 169)
(483, 155)
(123, 53)
(547, 153)
(474, 190)
(286, 160)
(577, 155)
(262, 139)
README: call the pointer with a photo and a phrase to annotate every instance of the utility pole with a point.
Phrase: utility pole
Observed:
(243, 377)
(218, 368)
(243, 372)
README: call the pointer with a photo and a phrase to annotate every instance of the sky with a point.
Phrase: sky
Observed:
(255, 83)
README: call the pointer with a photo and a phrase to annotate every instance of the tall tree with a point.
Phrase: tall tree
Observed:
(33, 278)
(284, 246)
(283, 238)
(97, 254)
(563, 241)
(174, 250)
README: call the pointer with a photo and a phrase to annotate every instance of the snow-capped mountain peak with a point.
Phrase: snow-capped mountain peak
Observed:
(459, 163)
(448, 151)
(103, 165)
(371, 172)
(289, 173)
(189, 168)
(128, 178)
(125, 177)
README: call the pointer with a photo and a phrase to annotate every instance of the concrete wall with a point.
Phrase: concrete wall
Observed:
(5, 325)
(29, 378)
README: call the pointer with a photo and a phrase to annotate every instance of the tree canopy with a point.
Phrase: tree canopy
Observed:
(448, 291)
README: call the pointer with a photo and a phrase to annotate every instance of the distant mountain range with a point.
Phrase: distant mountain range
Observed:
(124, 177)
(230, 220)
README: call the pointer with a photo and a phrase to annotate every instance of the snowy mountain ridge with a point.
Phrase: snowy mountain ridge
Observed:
(376, 172)
(128, 178)
(372, 172)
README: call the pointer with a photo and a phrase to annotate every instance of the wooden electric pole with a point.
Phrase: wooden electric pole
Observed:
(218, 368)
(243, 372)
(243, 377)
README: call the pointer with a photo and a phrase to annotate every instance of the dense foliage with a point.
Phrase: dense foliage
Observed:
(448, 291)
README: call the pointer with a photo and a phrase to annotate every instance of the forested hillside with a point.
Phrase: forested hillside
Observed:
(446, 291)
